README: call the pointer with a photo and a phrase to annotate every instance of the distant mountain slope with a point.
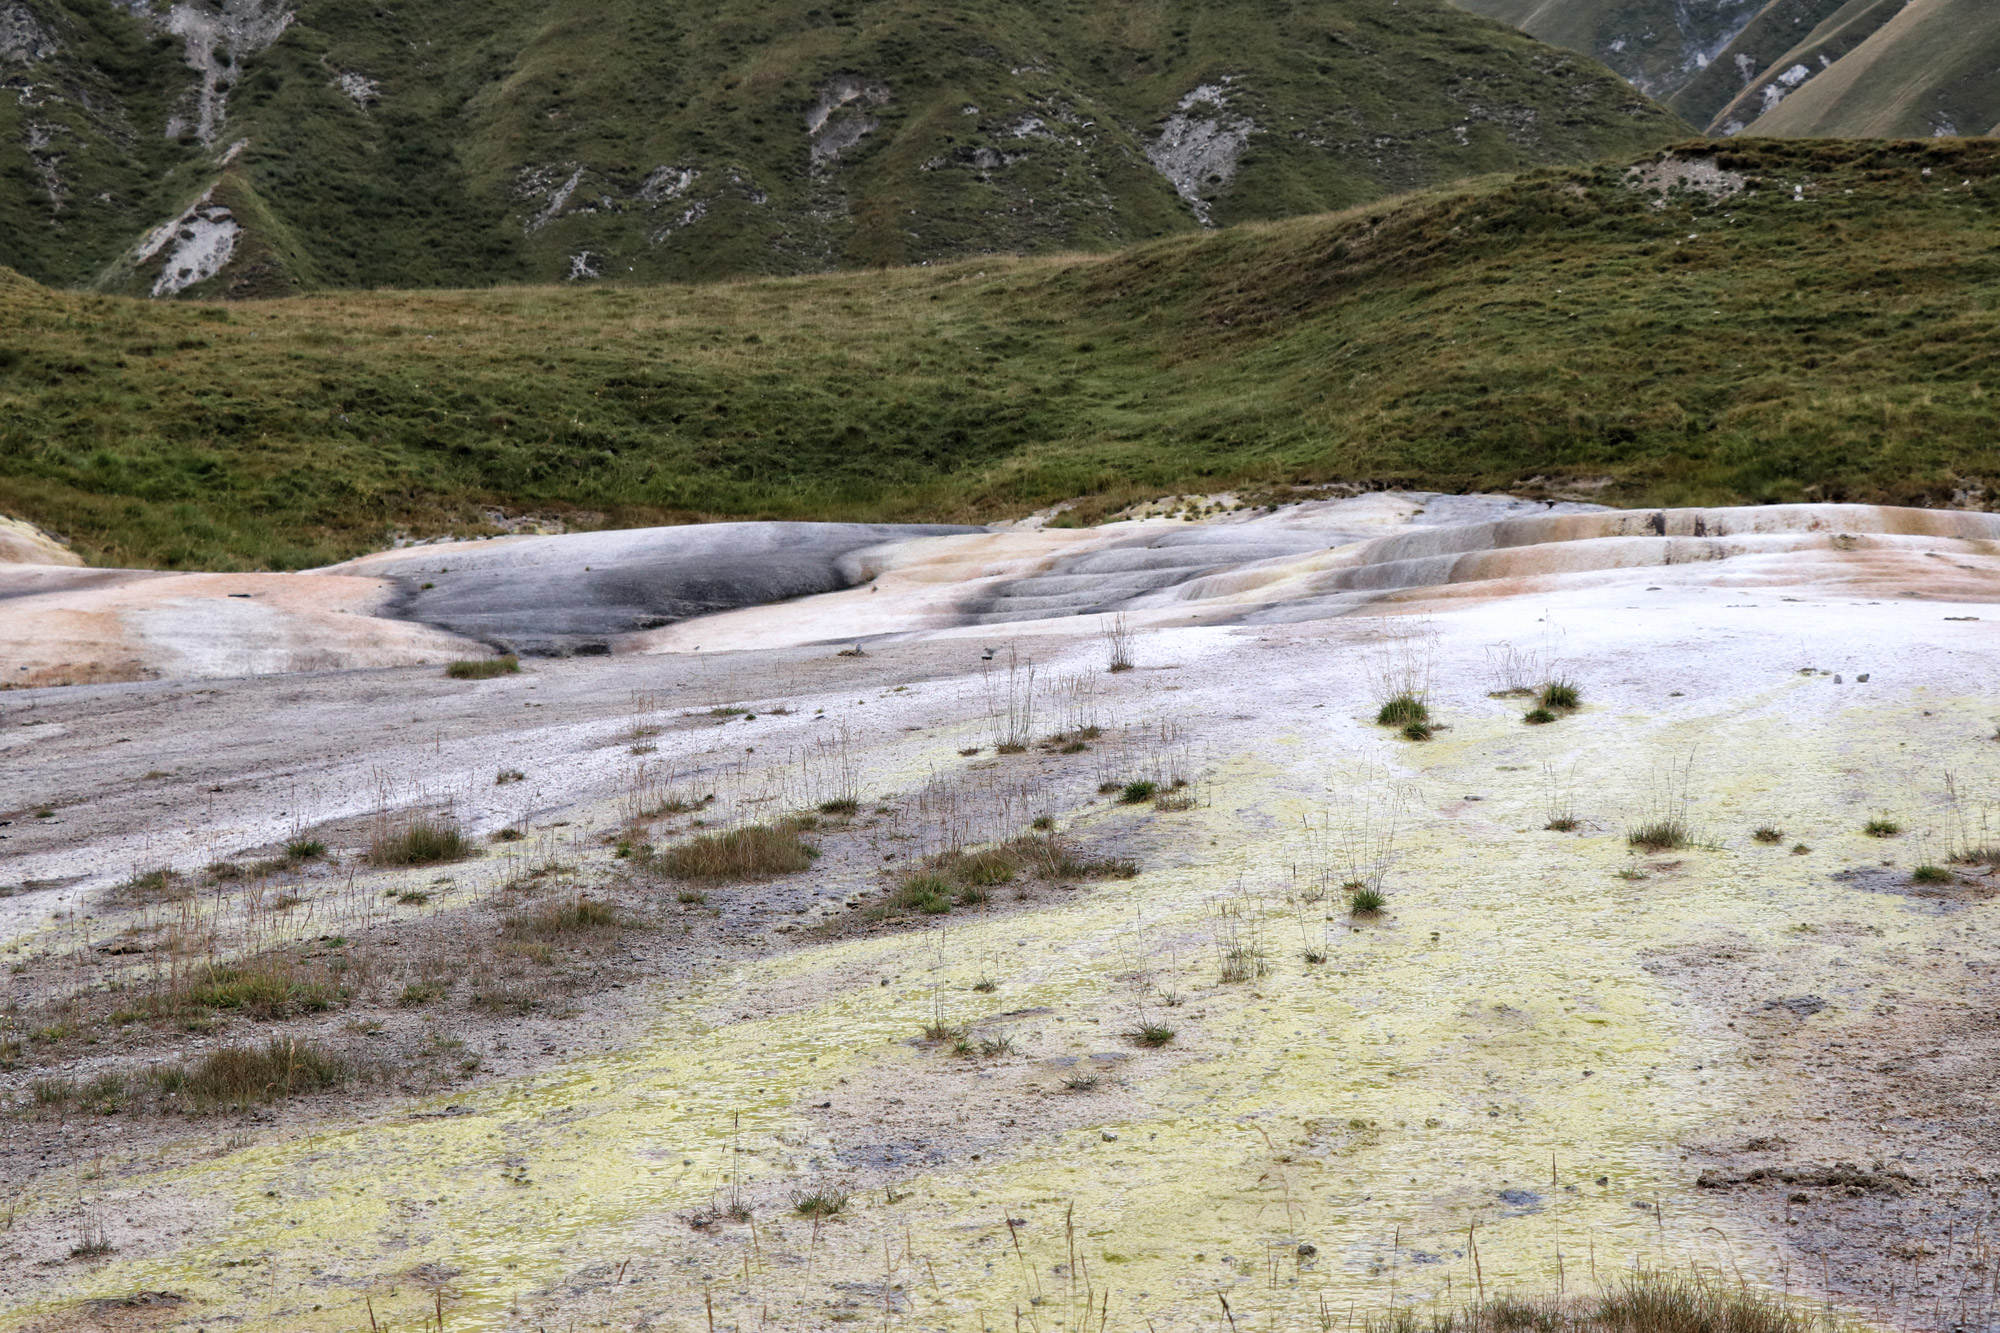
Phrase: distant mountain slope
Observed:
(1758, 52)
(1656, 45)
(1933, 68)
(1874, 68)
(255, 147)
(1737, 322)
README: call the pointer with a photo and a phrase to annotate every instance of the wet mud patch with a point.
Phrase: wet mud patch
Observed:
(1960, 885)
(1875, 1172)
(140, 1311)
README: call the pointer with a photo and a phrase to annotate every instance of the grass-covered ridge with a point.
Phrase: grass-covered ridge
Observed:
(1829, 334)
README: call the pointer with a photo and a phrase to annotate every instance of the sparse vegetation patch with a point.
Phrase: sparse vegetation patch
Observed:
(483, 668)
(240, 1076)
(754, 851)
(422, 840)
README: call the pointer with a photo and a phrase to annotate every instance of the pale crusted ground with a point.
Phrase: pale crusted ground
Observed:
(1549, 1038)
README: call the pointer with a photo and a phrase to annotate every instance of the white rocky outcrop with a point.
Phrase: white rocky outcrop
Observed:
(23, 41)
(198, 244)
(838, 118)
(1199, 146)
(215, 40)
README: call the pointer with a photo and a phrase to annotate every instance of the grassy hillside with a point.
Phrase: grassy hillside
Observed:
(1832, 332)
(1658, 45)
(439, 143)
(1929, 69)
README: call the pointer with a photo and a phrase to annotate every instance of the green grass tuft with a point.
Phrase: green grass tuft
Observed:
(1404, 710)
(1561, 695)
(1663, 834)
(927, 892)
(820, 1203)
(1882, 828)
(484, 668)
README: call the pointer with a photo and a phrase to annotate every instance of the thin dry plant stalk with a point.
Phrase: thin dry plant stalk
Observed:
(1011, 704)
(1118, 640)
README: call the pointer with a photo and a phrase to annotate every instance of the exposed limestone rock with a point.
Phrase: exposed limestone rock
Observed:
(199, 244)
(1198, 153)
(1698, 175)
(363, 91)
(838, 119)
(216, 41)
(22, 40)
(25, 544)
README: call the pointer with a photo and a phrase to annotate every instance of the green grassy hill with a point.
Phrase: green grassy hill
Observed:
(1932, 67)
(1832, 331)
(337, 143)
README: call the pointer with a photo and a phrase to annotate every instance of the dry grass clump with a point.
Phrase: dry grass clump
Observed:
(559, 921)
(422, 840)
(153, 886)
(1643, 1303)
(107, 1094)
(1047, 855)
(483, 668)
(755, 851)
(420, 993)
(993, 865)
(1769, 835)
(965, 878)
(1117, 635)
(239, 1076)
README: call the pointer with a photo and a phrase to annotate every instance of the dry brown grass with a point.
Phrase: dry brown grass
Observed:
(755, 851)
(559, 921)
(240, 1076)
(420, 840)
